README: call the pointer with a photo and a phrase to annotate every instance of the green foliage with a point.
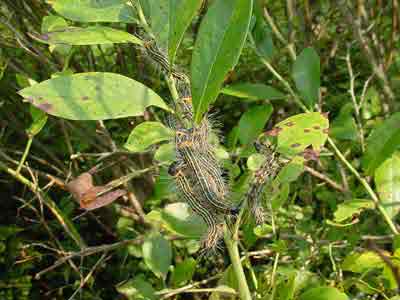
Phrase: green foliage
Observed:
(147, 134)
(252, 122)
(253, 91)
(93, 35)
(218, 45)
(323, 293)
(383, 141)
(95, 11)
(92, 96)
(306, 74)
(301, 131)
(93, 101)
(157, 254)
(387, 180)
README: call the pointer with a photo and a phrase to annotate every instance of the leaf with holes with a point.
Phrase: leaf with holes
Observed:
(94, 35)
(306, 74)
(146, 134)
(219, 43)
(181, 13)
(387, 181)
(253, 91)
(92, 96)
(96, 11)
(349, 209)
(298, 132)
(157, 254)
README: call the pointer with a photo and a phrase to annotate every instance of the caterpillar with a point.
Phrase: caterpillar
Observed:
(158, 56)
(188, 190)
(268, 170)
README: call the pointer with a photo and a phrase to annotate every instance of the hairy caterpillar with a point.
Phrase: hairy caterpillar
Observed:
(158, 56)
(268, 170)
(188, 190)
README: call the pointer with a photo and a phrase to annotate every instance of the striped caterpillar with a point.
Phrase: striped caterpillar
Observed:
(268, 170)
(197, 172)
(158, 56)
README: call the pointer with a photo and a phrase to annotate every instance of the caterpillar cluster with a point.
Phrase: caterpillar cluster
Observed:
(268, 170)
(196, 171)
(198, 175)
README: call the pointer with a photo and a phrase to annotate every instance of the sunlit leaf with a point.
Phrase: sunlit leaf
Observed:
(96, 11)
(323, 293)
(157, 254)
(94, 35)
(349, 209)
(177, 218)
(146, 134)
(137, 288)
(218, 45)
(387, 181)
(361, 262)
(298, 132)
(92, 96)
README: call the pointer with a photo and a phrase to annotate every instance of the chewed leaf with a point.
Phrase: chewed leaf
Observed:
(94, 35)
(297, 133)
(147, 134)
(349, 209)
(92, 96)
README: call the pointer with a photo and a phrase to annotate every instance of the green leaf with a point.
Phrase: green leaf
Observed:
(92, 96)
(165, 153)
(383, 141)
(252, 122)
(218, 45)
(261, 33)
(177, 218)
(350, 208)
(94, 35)
(137, 288)
(372, 104)
(51, 23)
(253, 91)
(323, 293)
(184, 271)
(344, 127)
(157, 12)
(157, 254)
(306, 74)
(387, 181)
(361, 262)
(291, 171)
(147, 134)
(39, 119)
(181, 13)
(96, 11)
(255, 161)
(300, 131)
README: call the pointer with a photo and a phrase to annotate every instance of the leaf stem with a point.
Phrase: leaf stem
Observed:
(231, 241)
(24, 156)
